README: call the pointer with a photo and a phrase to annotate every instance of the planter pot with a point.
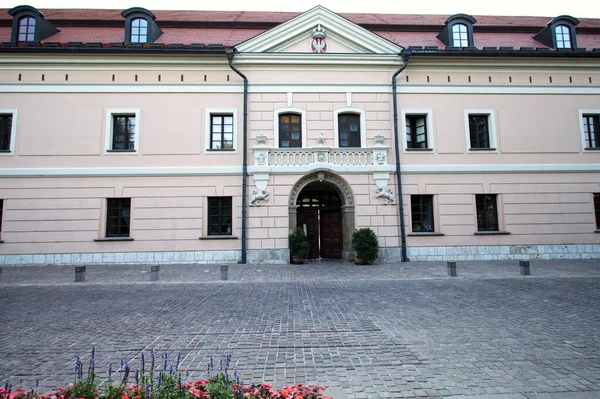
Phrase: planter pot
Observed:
(297, 260)
(360, 261)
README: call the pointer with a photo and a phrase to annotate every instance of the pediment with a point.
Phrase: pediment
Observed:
(340, 36)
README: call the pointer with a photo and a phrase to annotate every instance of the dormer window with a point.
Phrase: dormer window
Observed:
(26, 29)
(458, 31)
(139, 31)
(459, 36)
(140, 26)
(29, 25)
(563, 36)
(559, 33)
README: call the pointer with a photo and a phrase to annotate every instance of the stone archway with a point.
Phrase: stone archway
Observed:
(338, 185)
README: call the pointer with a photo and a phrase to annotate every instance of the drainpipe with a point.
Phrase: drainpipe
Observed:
(405, 56)
(230, 54)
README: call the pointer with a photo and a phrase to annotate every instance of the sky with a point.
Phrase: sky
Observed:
(549, 8)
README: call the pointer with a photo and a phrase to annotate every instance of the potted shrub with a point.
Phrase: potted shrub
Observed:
(365, 245)
(298, 245)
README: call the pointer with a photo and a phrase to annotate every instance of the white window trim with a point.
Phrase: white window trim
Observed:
(491, 124)
(110, 113)
(584, 148)
(292, 110)
(363, 125)
(210, 111)
(429, 121)
(13, 130)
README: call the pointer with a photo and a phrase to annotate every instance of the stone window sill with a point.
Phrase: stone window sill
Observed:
(432, 234)
(218, 238)
(105, 239)
(491, 233)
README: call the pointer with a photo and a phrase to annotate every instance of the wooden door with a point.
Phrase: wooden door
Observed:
(309, 217)
(331, 233)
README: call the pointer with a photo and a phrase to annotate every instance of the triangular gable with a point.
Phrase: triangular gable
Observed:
(344, 35)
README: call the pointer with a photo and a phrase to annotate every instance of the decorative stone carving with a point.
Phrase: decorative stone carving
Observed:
(341, 185)
(259, 196)
(321, 139)
(261, 158)
(321, 157)
(380, 158)
(386, 194)
(321, 176)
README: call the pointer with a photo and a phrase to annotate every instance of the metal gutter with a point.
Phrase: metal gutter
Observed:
(405, 56)
(230, 55)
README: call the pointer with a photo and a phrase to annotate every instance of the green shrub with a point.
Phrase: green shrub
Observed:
(298, 243)
(365, 244)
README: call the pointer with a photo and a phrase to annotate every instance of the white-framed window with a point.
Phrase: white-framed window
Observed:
(349, 125)
(417, 129)
(139, 30)
(589, 126)
(220, 130)
(122, 131)
(8, 131)
(460, 35)
(289, 128)
(563, 36)
(480, 129)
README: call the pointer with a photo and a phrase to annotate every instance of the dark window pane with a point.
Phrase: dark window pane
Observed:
(118, 211)
(123, 132)
(597, 209)
(26, 29)
(479, 131)
(139, 31)
(290, 131)
(487, 212)
(416, 131)
(422, 213)
(219, 216)
(5, 132)
(349, 130)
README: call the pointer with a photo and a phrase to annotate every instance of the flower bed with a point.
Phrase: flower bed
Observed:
(163, 382)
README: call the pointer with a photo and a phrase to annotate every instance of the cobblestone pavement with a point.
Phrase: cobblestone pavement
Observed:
(382, 331)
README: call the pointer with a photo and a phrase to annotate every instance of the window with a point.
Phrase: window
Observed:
(26, 29)
(416, 131)
(597, 209)
(140, 26)
(139, 31)
(487, 212)
(458, 31)
(118, 212)
(221, 132)
(422, 213)
(349, 130)
(5, 132)
(591, 130)
(563, 36)
(123, 138)
(480, 129)
(2, 216)
(460, 37)
(219, 216)
(559, 33)
(8, 122)
(290, 131)
(123, 131)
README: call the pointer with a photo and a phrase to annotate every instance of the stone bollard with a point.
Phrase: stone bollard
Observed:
(224, 272)
(154, 272)
(452, 269)
(79, 274)
(524, 266)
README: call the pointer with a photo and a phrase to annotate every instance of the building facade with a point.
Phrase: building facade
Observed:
(201, 137)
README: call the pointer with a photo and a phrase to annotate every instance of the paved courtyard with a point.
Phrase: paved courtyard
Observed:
(383, 331)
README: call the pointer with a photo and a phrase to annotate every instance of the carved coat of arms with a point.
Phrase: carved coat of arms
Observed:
(318, 44)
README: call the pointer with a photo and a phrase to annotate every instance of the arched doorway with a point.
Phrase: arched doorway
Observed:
(321, 203)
